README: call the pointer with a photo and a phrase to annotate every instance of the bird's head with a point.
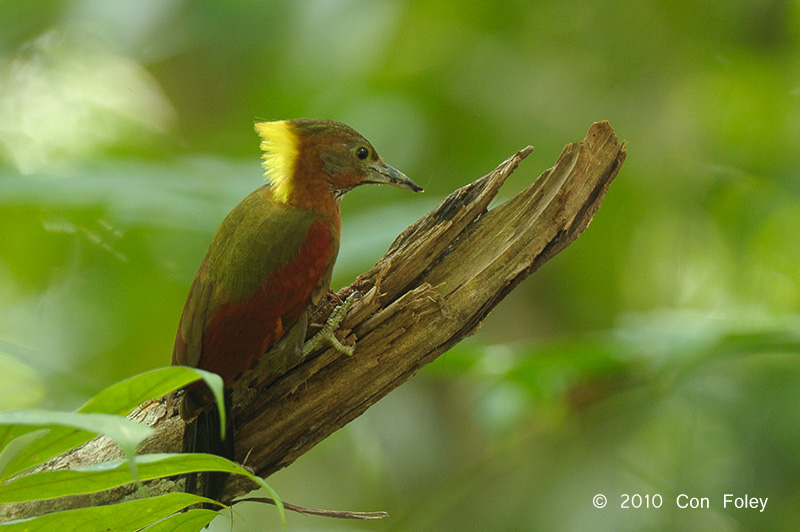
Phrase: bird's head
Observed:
(305, 157)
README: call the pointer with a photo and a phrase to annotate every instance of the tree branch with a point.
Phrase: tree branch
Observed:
(434, 287)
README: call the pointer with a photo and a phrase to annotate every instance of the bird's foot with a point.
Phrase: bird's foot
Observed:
(326, 334)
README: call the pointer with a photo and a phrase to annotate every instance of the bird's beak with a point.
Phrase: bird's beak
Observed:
(382, 173)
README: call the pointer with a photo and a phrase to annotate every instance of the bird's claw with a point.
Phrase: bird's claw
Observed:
(326, 334)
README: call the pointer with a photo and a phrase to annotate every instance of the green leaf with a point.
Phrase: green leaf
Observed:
(122, 517)
(121, 398)
(107, 475)
(118, 399)
(190, 521)
(16, 445)
(125, 432)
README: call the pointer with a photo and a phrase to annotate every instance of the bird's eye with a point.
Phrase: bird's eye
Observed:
(362, 153)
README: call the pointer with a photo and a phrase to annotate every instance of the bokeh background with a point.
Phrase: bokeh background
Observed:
(658, 355)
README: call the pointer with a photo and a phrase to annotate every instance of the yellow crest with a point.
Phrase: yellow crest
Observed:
(281, 147)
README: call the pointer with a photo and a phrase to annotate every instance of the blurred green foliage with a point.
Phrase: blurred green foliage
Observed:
(658, 354)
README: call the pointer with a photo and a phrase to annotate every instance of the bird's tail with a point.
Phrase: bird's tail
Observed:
(202, 435)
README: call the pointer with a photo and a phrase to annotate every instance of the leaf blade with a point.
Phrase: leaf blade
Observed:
(117, 399)
(130, 515)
